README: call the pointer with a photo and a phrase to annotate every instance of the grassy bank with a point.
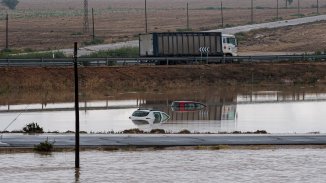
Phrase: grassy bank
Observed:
(107, 80)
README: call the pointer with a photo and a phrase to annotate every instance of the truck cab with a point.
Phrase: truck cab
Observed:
(229, 45)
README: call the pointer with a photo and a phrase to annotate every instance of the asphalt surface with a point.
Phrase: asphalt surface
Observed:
(232, 30)
(94, 140)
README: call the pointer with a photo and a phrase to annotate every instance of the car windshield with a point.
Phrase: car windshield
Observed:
(140, 113)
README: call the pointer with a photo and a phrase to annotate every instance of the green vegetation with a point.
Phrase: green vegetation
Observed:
(184, 29)
(94, 42)
(76, 33)
(45, 146)
(184, 132)
(33, 128)
(11, 4)
(122, 52)
(134, 130)
(275, 19)
(157, 131)
(241, 36)
(289, 1)
(18, 54)
(300, 15)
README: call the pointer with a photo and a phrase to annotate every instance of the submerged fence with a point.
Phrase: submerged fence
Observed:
(97, 62)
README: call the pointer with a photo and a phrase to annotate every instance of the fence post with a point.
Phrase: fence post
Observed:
(207, 59)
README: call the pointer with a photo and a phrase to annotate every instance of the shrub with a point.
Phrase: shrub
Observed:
(76, 33)
(11, 4)
(33, 128)
(158, 131)
(185, 131)
(69, 131)
(121, 52)
(134, 130)
(260, 132)
(45, 146)
(184, 29)
(94, 41)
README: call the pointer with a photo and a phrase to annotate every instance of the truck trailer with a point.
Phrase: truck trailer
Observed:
(187, 44)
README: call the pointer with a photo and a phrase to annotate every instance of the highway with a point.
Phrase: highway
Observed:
(150, 140)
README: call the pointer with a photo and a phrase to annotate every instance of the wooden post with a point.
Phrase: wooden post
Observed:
(277, 10)
(187, 16)
(7, 29)
(222, 17)
(93, 24)
(76, 108)
(252, 11)
(145, 16)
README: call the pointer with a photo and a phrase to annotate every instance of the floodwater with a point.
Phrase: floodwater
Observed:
(255, 166)
(273, 111)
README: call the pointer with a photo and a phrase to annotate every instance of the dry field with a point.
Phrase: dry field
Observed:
(45, 24)
(302, 38)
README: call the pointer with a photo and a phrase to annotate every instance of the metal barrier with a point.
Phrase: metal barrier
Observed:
(93, 62)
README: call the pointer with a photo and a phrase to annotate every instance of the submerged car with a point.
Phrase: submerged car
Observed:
(187, 106)
(149, 116)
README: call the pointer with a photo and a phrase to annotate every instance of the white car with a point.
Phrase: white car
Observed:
(146, 116)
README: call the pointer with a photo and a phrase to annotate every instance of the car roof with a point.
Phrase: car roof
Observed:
(148, 110)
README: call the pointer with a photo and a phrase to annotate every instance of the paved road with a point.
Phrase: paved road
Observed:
(283, 23)
(232, 30)
(19, 140)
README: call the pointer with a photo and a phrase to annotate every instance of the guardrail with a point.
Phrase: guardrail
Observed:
(64, 62)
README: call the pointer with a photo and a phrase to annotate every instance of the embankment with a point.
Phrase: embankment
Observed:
(160, 78)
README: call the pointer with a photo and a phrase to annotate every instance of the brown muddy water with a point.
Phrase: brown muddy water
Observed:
(274, 110)
(228, 166)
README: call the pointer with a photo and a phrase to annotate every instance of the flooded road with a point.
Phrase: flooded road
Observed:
(277, 165)
(273, 111)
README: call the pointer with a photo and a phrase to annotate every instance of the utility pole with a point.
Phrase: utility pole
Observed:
(7, 24)
(86, 24)
(222, 14)
(145, 16)
(76, 108)
(93, 24)
(317, 6)
(277, 10)
(298, 7)
(252, 11)
(187, 16)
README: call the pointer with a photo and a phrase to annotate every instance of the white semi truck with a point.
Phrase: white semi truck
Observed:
(187, 44)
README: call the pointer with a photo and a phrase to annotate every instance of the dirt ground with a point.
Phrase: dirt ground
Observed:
(46, 25)
(56, 84)
(302, 38)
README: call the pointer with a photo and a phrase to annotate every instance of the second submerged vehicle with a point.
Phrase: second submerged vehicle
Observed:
(187, 106)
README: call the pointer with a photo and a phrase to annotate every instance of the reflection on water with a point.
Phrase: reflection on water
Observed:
(280, 165)
(273, 111)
